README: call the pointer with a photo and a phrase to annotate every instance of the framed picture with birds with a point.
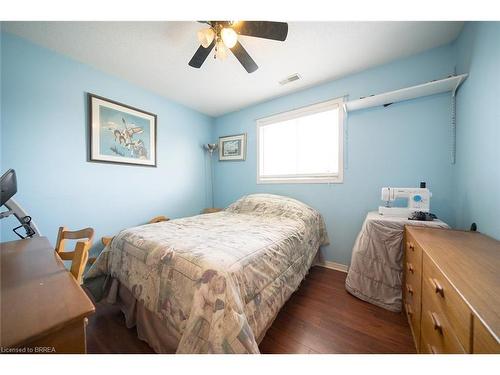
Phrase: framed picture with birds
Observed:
(119, 133)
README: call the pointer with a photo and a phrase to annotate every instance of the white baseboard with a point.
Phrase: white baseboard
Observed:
(332, 265)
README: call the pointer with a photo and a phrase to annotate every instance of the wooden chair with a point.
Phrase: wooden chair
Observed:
(158, 219)
(80, 254)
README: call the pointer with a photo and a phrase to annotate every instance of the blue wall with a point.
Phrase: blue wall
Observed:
(400, 145)
(44, 138)
(477, 171)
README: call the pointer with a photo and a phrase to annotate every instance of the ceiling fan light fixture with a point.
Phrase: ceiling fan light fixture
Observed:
(205, 37)
(229, 37)
(220, 50)
(223, 37)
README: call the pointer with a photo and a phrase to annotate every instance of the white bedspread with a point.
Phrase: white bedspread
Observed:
(217, 281)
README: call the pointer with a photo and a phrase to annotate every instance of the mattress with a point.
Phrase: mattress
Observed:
(217, 281)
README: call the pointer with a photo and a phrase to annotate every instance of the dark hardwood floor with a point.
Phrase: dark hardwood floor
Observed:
(321, 317)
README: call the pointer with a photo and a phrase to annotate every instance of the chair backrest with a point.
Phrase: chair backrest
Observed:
(80, 254)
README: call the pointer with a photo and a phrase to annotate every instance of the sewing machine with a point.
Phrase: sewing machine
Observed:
(418, 199)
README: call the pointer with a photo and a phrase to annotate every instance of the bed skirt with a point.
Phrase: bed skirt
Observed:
(150, 328)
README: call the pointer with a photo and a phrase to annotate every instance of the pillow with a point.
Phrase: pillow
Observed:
(278, 206)
(271, 205)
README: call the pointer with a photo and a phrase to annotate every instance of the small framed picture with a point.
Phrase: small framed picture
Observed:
(120, 133)
(233, 147)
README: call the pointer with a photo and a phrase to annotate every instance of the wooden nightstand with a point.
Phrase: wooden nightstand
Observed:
(210, 210)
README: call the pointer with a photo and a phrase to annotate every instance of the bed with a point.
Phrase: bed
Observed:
(211, 283)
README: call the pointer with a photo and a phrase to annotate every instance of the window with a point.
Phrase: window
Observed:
(302, 146)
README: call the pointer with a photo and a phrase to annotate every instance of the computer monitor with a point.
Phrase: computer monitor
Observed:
(8, 186)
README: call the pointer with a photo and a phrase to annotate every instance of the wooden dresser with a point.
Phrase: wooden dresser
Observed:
(451, 290)
(43, 309)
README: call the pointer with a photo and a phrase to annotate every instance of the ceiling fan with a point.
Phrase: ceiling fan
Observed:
(223, 35)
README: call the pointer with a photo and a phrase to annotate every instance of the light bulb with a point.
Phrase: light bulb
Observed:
(229, 37)
(205, 37)
(221, 51)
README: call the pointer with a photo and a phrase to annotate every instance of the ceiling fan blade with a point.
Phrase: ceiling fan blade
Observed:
(201, 55)
(244, 58)
(263, 29)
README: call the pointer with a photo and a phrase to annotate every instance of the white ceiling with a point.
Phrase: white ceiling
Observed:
(154, 55)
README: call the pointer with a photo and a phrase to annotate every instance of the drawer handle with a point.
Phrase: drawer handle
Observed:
(437, 287)
(437, 324)
(409, 289)
(432, 349)
(408, 309)
(410, 246)
(410, 267)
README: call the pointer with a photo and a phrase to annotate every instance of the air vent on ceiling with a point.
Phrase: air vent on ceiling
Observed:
(293, 77)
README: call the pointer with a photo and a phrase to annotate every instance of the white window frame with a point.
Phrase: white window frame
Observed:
(296, 113)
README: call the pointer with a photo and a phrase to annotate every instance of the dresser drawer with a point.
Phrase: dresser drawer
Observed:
(412, 289)
(436, 288)
(413, 252)
(411, 299)
(437, 335)
(483, 340)
(412, 295)
(412, 310)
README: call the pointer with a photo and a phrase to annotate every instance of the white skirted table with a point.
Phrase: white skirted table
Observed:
(376, 270)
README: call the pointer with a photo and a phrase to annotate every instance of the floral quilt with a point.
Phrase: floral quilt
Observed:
(218, 280)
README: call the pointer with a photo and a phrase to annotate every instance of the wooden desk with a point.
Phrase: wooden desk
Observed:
(43, 309)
